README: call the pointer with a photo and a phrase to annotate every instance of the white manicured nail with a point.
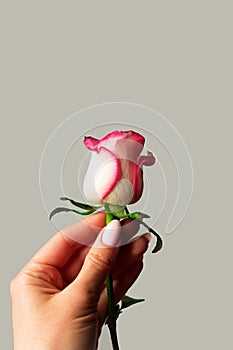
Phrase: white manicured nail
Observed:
(112, 233)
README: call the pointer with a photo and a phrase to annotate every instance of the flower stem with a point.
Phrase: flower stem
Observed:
(111, 305)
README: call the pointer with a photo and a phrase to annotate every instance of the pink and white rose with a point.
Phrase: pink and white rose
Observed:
(115, 173)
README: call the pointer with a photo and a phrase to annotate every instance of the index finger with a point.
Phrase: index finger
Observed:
(59, 249)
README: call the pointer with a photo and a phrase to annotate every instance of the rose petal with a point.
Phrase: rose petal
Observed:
(122, 194)
(91, 143)
(102, 175)
(137, 179)
(146, 160)
(124, 144)
(129, 134)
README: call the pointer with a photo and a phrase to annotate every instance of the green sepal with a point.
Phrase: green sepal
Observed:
(79, 205)
(120, 214)
(114, 209)
(132, 216)
(62, 209)
(159, 243)
(127, 301)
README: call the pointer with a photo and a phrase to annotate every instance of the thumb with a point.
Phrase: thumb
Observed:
(98, 263)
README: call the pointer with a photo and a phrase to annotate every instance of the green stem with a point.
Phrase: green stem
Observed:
(111, 305)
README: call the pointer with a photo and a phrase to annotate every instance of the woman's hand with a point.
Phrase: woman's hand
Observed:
(59, 299)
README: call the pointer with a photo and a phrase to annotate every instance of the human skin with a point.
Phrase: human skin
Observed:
(59, 298)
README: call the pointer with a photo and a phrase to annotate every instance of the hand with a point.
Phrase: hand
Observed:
(59, 299)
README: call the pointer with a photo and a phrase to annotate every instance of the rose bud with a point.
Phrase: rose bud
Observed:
(115, 174)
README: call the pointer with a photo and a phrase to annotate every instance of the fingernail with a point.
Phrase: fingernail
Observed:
(111, 234)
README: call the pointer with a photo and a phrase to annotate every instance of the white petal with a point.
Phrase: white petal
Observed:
(102, 175)
(122, 194)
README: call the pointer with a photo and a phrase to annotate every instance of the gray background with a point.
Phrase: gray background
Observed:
(174, 56)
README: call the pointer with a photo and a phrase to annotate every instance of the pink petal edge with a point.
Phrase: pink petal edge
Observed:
(116, 174)
(135, 173)
(128, 134)
(92, 143)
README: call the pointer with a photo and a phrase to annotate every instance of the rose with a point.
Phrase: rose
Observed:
(114, 178)
(114, 175)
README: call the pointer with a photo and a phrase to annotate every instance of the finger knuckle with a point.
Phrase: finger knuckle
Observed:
(101, 261)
